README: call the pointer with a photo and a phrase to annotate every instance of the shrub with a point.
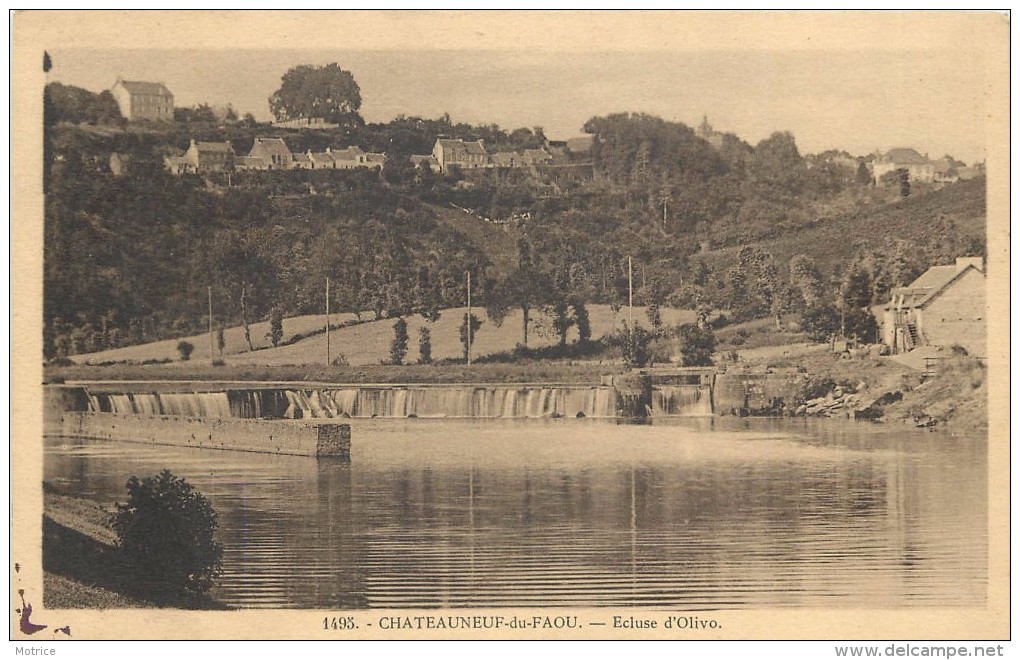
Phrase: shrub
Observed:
(425, 345)
(637, 346)
(696, 345)
(185, 348)
(275, 333)
(398, 349)
(166, 537)
(476, 323)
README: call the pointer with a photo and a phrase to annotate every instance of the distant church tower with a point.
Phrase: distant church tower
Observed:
(705, 129)
(709, 134)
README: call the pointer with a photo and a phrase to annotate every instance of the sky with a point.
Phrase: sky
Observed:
(873, 86)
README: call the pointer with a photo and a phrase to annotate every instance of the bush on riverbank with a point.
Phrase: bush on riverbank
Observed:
(166, 537)
(82, 566)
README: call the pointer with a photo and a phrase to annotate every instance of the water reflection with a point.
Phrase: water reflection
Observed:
(710, 513)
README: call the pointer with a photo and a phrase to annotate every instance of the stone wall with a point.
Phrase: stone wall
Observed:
(743, 393)
(295, 437)
(959, 315)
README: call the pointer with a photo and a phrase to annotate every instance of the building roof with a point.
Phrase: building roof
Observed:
(140, 87)
(301, 158)
(427, 159)
(375, 158)
(903, 157)
(321, 156)
(476, 148)
(222, 147)
(580, 144)
(253, 162)
(932, 282)
(508, 158)
(350, 153)
(274, 146)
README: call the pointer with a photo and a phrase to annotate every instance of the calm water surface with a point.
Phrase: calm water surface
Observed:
(708, 513)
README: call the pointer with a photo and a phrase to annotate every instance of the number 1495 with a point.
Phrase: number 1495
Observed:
(338, 623)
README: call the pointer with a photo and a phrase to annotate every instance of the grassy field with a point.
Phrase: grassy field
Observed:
(234, 342)
(369, 343)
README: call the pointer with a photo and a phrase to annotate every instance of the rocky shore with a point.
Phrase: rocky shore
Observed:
(869, 387)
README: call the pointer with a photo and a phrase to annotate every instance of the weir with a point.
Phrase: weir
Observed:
(459, 401)
(623, 396)
(682, 401)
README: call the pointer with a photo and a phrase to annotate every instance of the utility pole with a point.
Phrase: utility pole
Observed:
(630, 293)
(327, 321)
(469, 324)
(212, 341)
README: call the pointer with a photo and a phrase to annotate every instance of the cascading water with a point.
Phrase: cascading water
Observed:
(682, 401)
(468, 401)
(184, 404)
(456, 401)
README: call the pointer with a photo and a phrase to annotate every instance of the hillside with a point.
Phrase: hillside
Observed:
(654, 198)
(953, 218)
(497, 242)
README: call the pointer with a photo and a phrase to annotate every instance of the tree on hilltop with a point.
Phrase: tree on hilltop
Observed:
(325, 92)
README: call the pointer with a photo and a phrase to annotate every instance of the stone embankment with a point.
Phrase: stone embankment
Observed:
(292, 437)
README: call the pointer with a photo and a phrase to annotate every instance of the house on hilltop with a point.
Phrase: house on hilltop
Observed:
(202, 158)
(917, 166)
(942, 307)
(467, 155)
(580, 146)
(270, 154)
(536, 157)
(348, 158)
(143, 100)
(506, 159)
(425, 161)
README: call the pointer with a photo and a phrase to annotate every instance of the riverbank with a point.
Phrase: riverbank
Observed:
(864, 385)
(80, 559)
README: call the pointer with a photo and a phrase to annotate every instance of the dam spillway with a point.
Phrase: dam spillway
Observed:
(409, 401)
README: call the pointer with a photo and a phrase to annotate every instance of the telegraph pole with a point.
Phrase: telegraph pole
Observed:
(630, 293)
(212, 341)
(469, 324)
(327, 321)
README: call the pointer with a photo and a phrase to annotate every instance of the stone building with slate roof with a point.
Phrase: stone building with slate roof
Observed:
(919, 168)
(944, 306)
(138, 100)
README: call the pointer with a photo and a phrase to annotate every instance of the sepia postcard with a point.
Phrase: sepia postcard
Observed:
(560, 325)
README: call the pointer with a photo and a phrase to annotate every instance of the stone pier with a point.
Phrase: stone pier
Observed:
(265, 436)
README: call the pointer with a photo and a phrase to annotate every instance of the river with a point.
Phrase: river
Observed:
(702, 513)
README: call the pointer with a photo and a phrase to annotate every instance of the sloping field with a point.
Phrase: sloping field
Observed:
(233, 342)
(369, 343)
